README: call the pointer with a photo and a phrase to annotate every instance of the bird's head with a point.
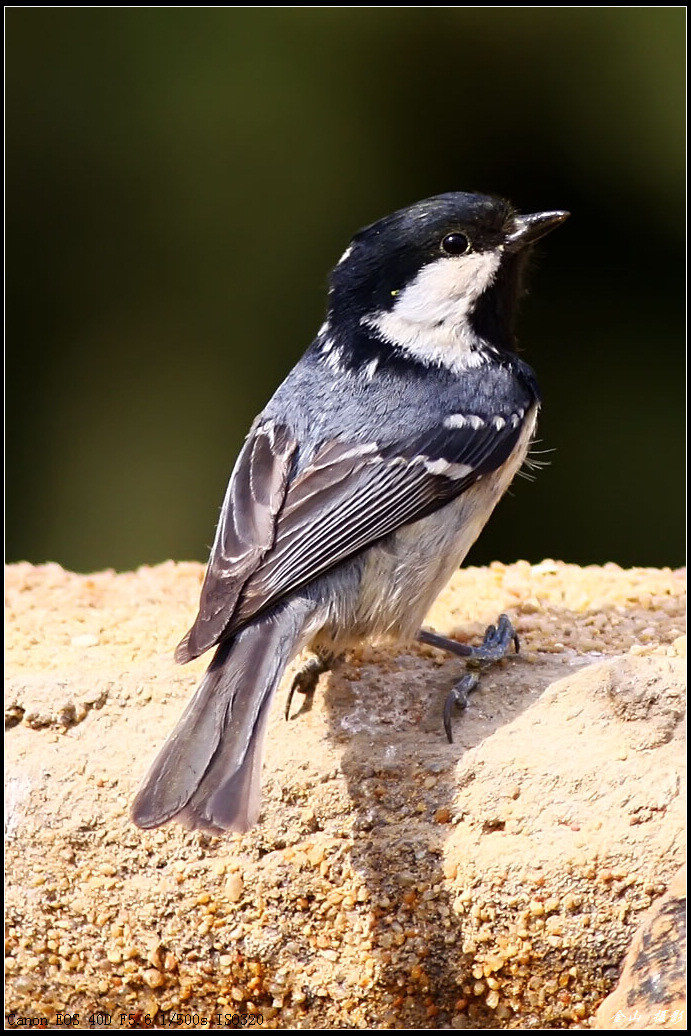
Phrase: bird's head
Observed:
(444, 270)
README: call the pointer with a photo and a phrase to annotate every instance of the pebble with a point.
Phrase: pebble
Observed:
(234, 888)
(153, 978)
(84, 640)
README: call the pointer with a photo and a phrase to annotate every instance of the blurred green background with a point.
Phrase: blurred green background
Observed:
(180, 181)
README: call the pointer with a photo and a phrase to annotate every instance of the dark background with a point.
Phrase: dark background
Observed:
(180, 181)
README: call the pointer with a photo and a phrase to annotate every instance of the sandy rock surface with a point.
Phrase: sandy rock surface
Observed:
(394, 879)
(651, 993)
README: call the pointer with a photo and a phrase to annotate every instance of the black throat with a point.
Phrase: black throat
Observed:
(494, 316)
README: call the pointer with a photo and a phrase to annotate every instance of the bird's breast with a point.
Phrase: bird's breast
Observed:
(402, 574)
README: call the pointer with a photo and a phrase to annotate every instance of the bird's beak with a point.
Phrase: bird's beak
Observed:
(527, 229)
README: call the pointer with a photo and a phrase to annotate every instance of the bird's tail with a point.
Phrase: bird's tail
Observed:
(208, 773)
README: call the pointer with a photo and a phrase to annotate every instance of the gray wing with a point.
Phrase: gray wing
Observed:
(273, 540)
(245, 533)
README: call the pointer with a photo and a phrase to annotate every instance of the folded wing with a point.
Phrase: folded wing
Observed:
(277, 534)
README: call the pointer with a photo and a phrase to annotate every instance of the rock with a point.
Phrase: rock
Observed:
(651, 993)
(394, 879)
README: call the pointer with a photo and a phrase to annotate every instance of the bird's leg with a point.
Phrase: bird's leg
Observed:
(495, 646)
(306, 679)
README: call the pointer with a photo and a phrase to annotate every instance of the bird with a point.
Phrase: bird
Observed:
(360, 487)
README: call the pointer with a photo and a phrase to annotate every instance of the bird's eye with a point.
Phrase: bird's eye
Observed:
(455, 244)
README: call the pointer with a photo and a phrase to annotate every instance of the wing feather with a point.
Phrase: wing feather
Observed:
(335, 509)
(245, 532)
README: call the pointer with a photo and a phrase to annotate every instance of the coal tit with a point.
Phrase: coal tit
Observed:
(360, 487)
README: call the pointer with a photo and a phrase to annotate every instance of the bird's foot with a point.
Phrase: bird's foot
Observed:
(307, 678)
(495, 646)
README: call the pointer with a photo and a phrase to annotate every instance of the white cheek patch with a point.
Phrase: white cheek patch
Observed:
(447, 288)
(429, 318)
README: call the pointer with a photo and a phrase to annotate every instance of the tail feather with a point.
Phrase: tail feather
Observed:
(208, 773)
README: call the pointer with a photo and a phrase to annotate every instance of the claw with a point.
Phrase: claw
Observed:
(458, 695)
(307, 678)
